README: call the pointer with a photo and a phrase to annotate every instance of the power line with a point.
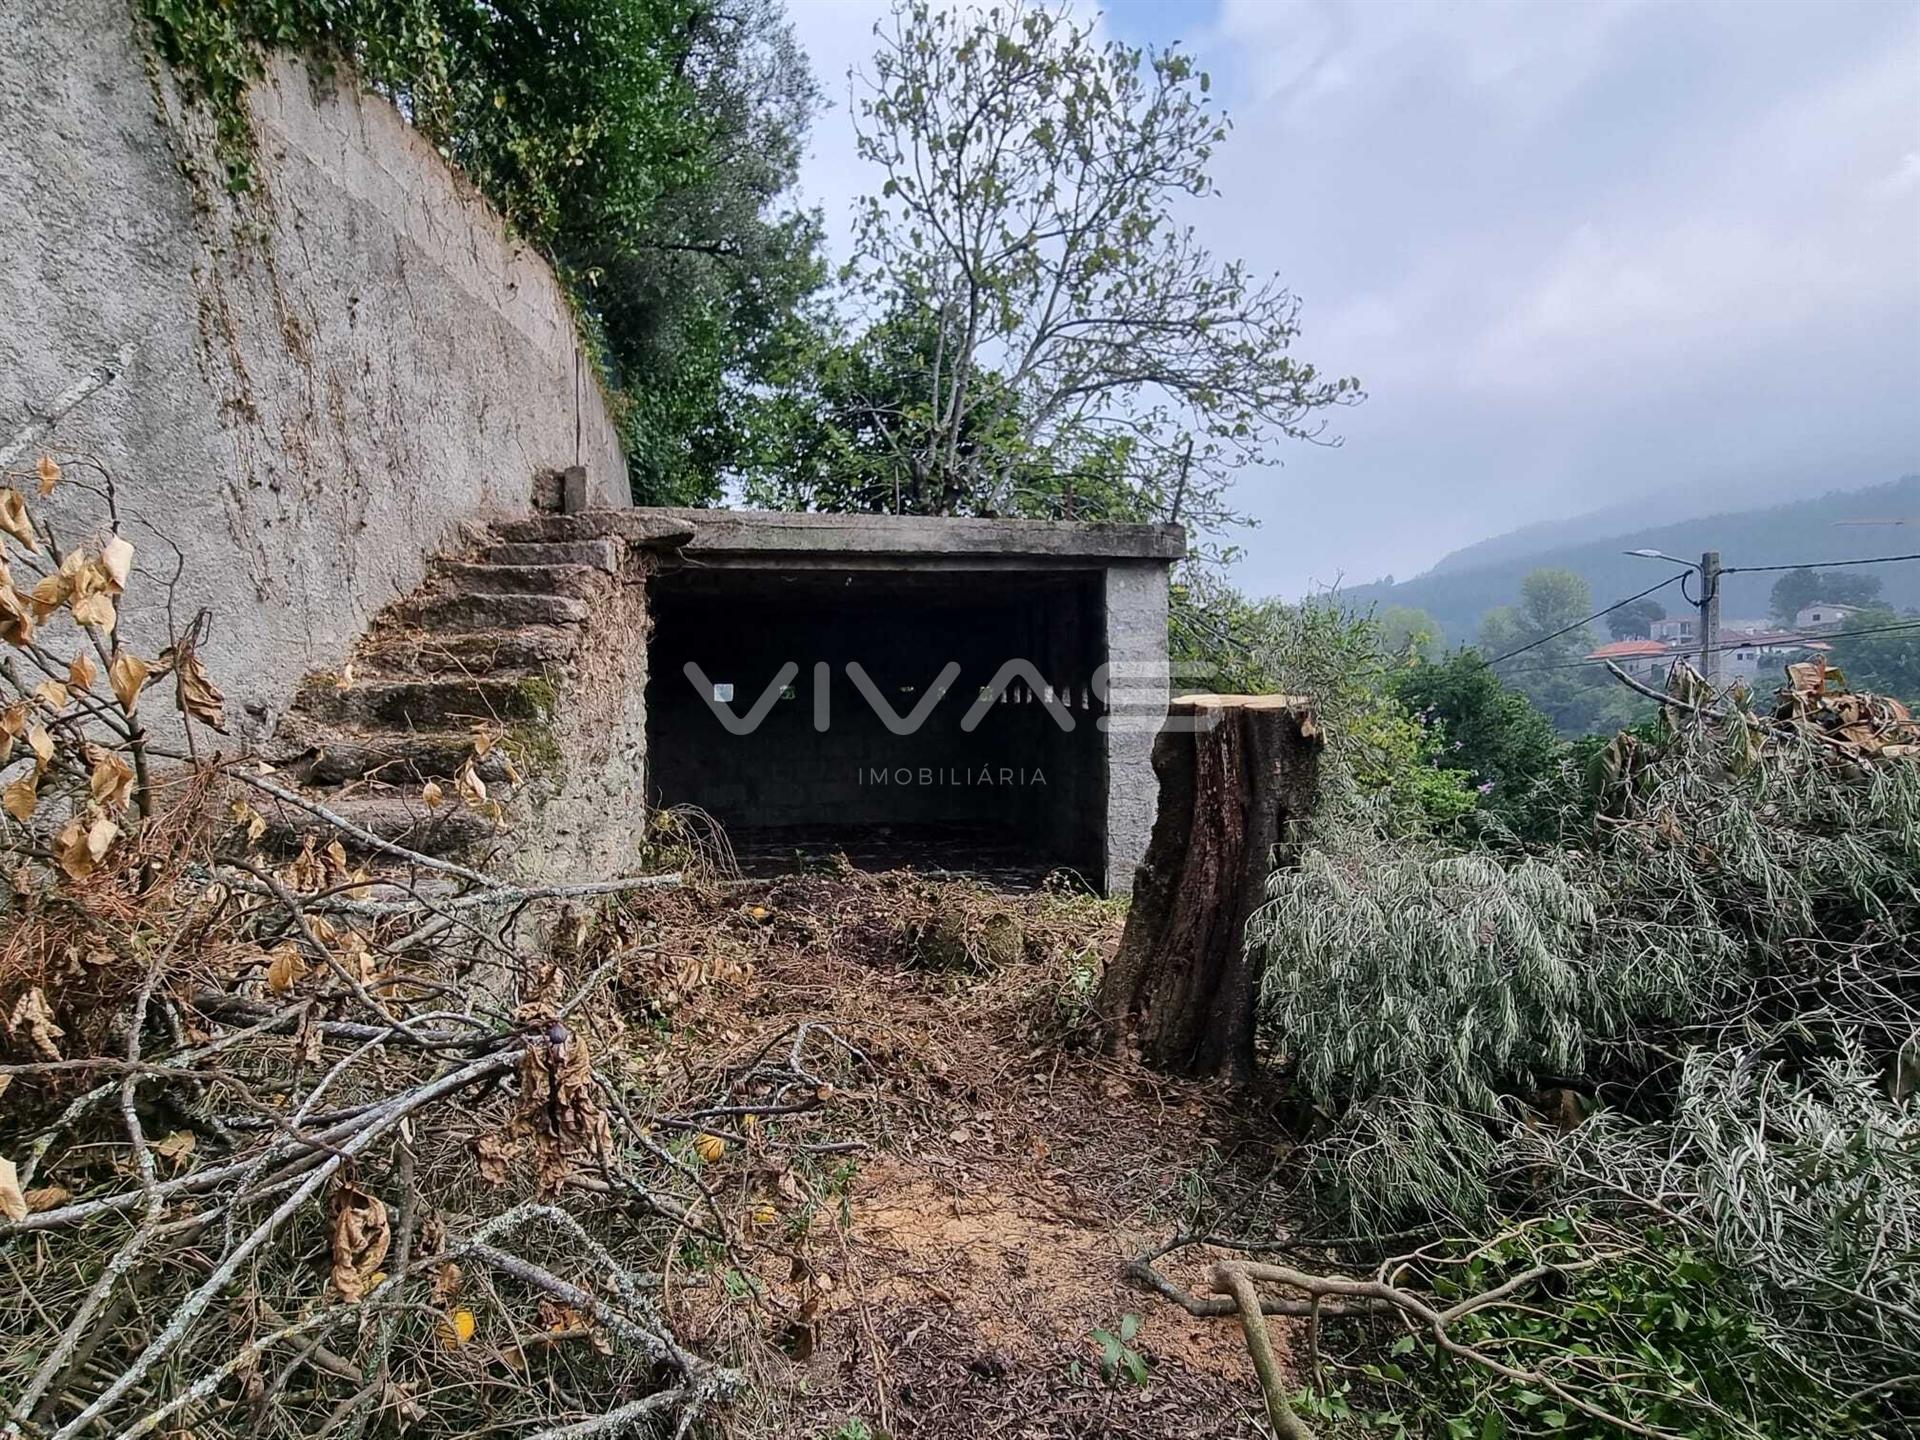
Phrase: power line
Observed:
(1814, 565)
(1582, 624)
(1768, 643)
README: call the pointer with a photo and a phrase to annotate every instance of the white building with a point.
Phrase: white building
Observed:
(1823, 613)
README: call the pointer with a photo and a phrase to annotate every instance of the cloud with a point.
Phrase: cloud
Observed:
(1576, 252)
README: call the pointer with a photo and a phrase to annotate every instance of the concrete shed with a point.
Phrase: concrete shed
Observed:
(948, 692)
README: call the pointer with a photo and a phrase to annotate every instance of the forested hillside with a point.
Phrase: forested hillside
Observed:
(1807, 531)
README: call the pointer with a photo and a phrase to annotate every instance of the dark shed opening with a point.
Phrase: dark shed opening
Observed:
(783, 703)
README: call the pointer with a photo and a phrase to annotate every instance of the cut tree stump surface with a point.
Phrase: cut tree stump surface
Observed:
(1237, 774)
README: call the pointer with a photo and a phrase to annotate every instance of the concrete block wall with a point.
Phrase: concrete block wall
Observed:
(329, 378)
(1138, 691)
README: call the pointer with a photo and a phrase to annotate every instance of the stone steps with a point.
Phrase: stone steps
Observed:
(491, 612)
(578, 582)
(486, 642)
(600, 554)
(403, 819)
(316, 754)
(439, 702)
(628, 525)
(526, 650)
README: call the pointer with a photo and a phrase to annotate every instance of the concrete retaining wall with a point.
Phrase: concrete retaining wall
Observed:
(329, 378)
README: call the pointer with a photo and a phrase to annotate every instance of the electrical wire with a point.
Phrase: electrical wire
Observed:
(1582, 624)
(1769, 642)
(1682, 577)
(1814, 565)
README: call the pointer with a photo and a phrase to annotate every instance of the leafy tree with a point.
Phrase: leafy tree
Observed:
(854, 431)
(1635, 621)
(1551, 601)
(1505, 746)
(1380, 758)
(1025, 218)
(1409, 632)
(1544, 627)
(1797, 589)
(645, 146)
(1887, 663)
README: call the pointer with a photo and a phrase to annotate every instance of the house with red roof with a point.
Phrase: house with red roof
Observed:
(1642, 659)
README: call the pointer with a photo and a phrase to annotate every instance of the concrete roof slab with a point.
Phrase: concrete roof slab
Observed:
(803, 537)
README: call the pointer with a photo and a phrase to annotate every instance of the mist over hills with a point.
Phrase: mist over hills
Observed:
(1467, 583)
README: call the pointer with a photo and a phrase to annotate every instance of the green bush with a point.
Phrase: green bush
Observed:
(1653, 1331)
(643, 145)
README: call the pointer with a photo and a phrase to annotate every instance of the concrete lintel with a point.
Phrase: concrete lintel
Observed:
(743, 533)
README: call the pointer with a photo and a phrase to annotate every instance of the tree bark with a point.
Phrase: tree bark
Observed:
(1236, 773)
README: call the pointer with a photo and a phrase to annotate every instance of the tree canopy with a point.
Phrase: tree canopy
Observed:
(1634, 621)
(1799, 588)
(1043, 326)
(645, 146)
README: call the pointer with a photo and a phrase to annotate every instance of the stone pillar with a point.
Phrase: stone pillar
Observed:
(1137, 692)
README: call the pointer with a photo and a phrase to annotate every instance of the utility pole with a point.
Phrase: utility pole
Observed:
(1710, 616)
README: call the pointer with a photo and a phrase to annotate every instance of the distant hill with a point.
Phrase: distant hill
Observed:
(1466, 584)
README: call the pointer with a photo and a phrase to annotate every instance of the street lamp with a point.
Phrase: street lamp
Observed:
(1709, 567)
(1662, 555)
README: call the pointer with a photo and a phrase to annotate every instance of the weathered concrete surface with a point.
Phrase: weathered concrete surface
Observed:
(328, 379)
(1137, 695)
(549, 713)
(794, 538)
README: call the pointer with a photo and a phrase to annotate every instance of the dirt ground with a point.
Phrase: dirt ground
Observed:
(941, 1232)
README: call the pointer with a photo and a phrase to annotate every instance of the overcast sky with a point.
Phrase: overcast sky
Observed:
(1578, 253)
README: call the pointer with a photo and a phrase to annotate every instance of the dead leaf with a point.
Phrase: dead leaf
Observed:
(82, 672)
(49, 594)
(14, 519)
(13, 1204)
(100, 836)
(560, 1100)
(21, 798)
(47, 1197)
(117, 557)
(446, 1282)
(41, 743)
(176, 1148)
(32, 1019)
(472, 788)
(496, 1153)
(127, 673)
(95, 609)
(111, 782)
(199, 696)
(360, 1238)
(80, 845)
(52, 694)
(16, 619)
(432, 794)
(49, 469)
(285, 969)
(457, 1329)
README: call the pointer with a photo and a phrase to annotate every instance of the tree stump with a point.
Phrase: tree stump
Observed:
(1236, 772)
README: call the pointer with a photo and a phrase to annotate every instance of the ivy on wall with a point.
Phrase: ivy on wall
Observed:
(645, 146)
